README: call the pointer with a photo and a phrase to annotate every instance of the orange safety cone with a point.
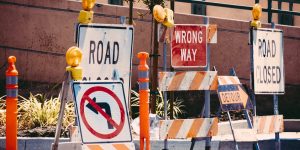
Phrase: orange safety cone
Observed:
(143, 78)
(11, 104)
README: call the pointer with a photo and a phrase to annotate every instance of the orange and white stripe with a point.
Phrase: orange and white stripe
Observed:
(212, 33)
(190, 80)
(268, 124)
(109, 146)
(228, 80)
(188, 128)
(74, 134)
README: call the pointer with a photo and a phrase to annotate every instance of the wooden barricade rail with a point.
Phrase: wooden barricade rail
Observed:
(188, 128)
(268, 124)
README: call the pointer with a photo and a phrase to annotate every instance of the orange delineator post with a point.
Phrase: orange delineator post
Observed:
(11, 104)
(143, 78)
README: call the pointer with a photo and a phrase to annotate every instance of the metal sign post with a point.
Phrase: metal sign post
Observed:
(207, 92)
(276, 112)
(246, 112)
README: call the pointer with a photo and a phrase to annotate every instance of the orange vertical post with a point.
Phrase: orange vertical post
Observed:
(143, 78)
(11, 104)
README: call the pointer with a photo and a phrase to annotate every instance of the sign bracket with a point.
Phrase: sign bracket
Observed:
(63, 95)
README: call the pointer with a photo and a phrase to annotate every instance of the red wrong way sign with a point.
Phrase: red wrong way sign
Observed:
(188, 46)
(102, 112)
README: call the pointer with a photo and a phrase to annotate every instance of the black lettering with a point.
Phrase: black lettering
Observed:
(116, 53)
(278, 74)
(265, 74)
(259, 48)
(92, 51)
(107, 55)
(269, 74)
(268, 49)
(273, 48)
(101, 51)
(264, 48)
(273, 75)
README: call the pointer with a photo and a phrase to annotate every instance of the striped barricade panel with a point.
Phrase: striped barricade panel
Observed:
(188, 128)
(268, 124)
(109, 146)
(190, 80)
(227, 80)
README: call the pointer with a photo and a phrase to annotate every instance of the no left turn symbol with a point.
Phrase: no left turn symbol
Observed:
(117, 125)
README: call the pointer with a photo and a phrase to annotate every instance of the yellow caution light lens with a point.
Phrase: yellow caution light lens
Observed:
(159, 13)
(256, 12)
(88, 4)
(73, 56)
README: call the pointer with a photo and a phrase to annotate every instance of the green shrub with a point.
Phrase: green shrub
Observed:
(178, 108)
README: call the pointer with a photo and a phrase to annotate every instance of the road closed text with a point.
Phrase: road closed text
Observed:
(268, 74)
(268, 63)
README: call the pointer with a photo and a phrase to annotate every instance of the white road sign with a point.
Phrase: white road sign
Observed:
(268, 61)
(102, 112)
(107, 52)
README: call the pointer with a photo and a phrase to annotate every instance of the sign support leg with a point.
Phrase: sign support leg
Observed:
(276, 112)
(62, 97)
(165, 92)
(207, 92)
(246, 113)
(236, 145)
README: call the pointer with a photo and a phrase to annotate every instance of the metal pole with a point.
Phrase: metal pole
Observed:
(207, 92)
(165, 92)
(269, 11)
(236, 145)
(276, 112)
(130, 12)
(246, 112)
(63, 101)
(252, 72)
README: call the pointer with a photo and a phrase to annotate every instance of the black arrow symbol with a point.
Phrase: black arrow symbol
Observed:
(104, 106)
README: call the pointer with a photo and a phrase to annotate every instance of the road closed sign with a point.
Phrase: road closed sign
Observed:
(268, 61)
(188, 46)
(107, 52)
(102, 112)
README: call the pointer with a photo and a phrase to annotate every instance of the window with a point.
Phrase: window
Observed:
(115, 2)
(198, 9)
(286, 19)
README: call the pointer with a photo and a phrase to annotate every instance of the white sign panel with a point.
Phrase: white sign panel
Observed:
(107, 52)
(268, 61)
(102, 112)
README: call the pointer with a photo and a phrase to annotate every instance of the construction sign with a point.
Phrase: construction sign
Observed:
(107, 52)
(102, 112)
(189, 46)
(268, 61)
(233, 97)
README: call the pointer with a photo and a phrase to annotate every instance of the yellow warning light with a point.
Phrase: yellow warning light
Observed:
(169, 20)
(256, 14)
(159, 13)
(88, 4)
(73, 56)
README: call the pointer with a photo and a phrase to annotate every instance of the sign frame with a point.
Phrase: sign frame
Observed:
(78, 111)
(267, 90)
(237, 88)
(204, 37)
(114, 74)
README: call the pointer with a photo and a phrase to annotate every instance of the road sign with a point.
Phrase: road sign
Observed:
(233, 97)
(107, 52)
(102, 112)
(268, 61)
(188, 46)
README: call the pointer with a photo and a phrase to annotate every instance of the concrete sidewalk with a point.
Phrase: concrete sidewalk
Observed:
(268, 144)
